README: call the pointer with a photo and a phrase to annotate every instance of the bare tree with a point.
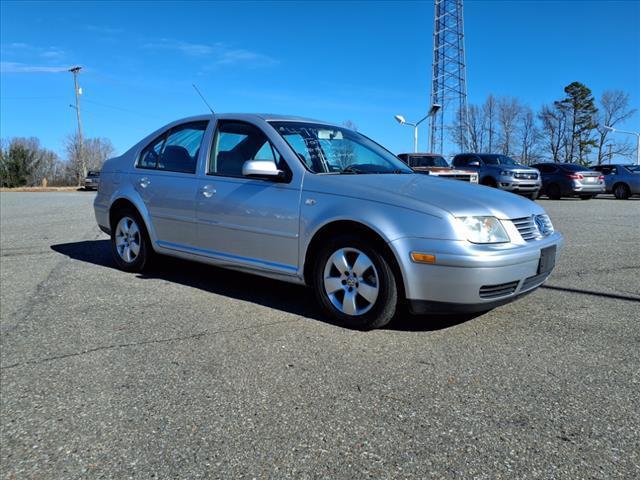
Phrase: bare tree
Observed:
(489, 112)
(614, 109)
(554, 130)
(509, 110)
(95, 150)
(476, 128)
(529, 135)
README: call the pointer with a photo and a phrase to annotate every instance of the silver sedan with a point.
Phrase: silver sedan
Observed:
(317, 204)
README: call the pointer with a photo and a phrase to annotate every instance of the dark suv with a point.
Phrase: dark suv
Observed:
(570, 180)
(502, 172)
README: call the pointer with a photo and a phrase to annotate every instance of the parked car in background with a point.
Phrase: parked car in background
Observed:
(92, 180)
(500, 171)
(570, 180)
(620, 179)
(321, 205)
(436, 165)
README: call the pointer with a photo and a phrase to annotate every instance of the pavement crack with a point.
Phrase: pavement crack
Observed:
(38, 296)
(142, 342)
(105, 347)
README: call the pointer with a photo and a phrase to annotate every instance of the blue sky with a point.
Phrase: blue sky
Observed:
(337, 61)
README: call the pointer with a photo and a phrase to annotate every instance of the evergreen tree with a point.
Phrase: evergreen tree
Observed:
(581, 111)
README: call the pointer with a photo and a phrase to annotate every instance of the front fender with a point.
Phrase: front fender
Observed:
(388, 221)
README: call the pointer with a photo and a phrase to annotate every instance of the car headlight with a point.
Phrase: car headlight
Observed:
(484, 230)
(507, 173)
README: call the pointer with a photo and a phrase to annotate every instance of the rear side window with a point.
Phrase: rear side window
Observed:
(176, 150)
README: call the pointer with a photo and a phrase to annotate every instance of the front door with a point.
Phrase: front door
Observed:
(247, 221)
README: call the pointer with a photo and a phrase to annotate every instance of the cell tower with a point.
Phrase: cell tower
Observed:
(448, 86)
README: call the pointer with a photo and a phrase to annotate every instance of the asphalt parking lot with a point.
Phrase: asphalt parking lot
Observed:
(197, 372)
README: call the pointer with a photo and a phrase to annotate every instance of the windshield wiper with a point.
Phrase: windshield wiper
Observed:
(397, 171)
(351, 169)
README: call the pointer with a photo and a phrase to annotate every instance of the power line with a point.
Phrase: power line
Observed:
(120, 108)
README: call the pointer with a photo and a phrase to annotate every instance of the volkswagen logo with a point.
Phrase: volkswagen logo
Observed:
(542, 225)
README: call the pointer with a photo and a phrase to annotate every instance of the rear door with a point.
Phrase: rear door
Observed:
(165, 178)
(248, 221)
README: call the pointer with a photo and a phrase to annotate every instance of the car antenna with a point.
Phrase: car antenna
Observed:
(203, 99)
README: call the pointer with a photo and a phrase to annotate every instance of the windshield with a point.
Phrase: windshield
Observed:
(633, 168)
(430, 161)
(499, 160)
(329, 149)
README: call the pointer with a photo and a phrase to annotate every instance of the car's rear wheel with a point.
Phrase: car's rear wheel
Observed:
(354, 283)
(130, 244)
(621, 191)
(553, 191)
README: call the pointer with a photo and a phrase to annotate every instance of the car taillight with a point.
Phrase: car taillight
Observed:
(601, 177)
(576, 176)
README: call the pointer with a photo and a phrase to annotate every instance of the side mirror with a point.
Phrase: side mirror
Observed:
(262, 169)
(475, 163)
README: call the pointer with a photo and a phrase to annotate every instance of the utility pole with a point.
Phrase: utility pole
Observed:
(80, 144)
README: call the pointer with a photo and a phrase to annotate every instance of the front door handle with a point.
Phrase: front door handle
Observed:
(144, 182)
(208, 191)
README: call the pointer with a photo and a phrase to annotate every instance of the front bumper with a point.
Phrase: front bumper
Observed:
(463, 273)
(515, 185)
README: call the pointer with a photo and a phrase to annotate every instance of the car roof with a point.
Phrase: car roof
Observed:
(252, 116)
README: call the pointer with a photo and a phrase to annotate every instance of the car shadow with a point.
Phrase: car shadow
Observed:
(283, 296)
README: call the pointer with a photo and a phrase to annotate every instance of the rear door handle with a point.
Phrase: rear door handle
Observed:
(208, 191)
(144, 182)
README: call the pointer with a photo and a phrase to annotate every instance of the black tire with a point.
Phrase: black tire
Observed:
(489, 182)
(145, 253)
(553, 191)
(621, 191)
(382, 309)
(533, 196)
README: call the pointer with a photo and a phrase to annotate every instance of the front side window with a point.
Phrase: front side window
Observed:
(329, 149)
(238, 142)
(176, 150)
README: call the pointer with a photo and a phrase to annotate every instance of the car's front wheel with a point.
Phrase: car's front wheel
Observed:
(354, 283)
(130, 243)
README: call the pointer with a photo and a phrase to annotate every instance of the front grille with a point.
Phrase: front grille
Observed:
(527, 228)
(534, 281)
(525, 176)
(494, 291)
(463, 177)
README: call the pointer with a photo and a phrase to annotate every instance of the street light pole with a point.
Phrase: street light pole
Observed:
(611, 129)
(401, 120)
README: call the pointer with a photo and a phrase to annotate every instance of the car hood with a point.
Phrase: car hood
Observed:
(515, 168)
(428, 194)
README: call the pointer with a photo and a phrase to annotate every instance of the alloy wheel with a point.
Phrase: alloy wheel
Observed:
(128, 239)
(351, 281)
